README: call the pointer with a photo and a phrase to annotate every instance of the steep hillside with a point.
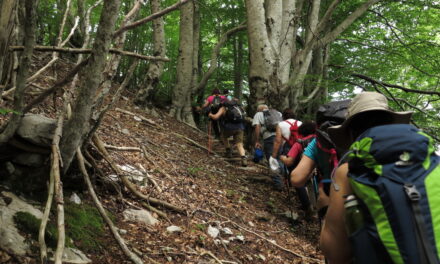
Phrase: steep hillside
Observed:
(223, 213)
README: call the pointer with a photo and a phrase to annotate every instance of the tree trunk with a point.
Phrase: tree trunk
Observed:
(155, 68)
(238, 67)
(181, 101)
(27, 9)
(260, 53)
(77, 127)
(6, 30)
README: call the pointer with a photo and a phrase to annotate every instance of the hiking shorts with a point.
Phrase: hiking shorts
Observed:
(236, 134)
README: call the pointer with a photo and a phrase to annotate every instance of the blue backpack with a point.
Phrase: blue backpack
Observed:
(394, 173)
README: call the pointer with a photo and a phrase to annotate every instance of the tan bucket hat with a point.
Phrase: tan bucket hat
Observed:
(364, 102)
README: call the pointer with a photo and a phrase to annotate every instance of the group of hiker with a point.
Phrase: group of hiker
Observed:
(376, 177)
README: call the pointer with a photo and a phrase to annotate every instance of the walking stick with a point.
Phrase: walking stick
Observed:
(209, 136)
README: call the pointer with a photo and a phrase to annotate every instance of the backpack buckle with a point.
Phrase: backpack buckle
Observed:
(412, 192)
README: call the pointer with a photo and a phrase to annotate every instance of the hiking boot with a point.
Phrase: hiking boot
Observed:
(229, 153)
(244, 162)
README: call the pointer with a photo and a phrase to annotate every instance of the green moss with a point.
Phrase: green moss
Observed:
(83, 224)
(29, 224)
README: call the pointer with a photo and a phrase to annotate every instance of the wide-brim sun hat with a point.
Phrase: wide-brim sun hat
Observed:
(364, 102)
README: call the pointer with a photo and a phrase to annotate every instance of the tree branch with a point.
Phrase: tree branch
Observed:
(408, 90)
(216, 52)
(87, 51)
(150, 17)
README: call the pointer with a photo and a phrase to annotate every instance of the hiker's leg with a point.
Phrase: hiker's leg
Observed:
(303, 198)
(238, 141)
(268, 146)
(216, 128)
(224, 137)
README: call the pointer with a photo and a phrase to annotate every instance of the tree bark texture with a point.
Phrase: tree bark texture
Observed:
(27, 9)
(155, 68)
(181, 101)
(77, 127)
(6, 30)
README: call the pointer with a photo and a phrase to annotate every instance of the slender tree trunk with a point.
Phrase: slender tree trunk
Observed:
(155, 68)
(181, 101)
(27, 10)
(77, 127)
(238, 66)
(6, 26)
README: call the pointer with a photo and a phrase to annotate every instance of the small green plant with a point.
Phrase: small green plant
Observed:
(200, 227)
(7, 111)
(230, 193)
(193, 170)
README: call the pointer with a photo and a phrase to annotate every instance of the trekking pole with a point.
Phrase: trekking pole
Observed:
(209, 136)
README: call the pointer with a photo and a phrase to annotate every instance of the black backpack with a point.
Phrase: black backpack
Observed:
(216, 103)
(271, 119)
(329, 114)
(234, 112)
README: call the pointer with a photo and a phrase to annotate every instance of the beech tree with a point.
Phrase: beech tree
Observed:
(278, 66)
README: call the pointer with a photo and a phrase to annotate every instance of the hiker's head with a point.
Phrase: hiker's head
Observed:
(307, 128)
(225, 92)
(366, 110)
(288, 114)
(215, 91)
(262, 107)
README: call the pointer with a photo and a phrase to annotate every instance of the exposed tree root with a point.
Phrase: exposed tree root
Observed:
(100, 145)
(133, 257)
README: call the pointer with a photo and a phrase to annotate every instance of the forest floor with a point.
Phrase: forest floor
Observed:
(214, 193)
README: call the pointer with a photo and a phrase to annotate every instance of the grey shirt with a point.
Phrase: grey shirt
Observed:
(259, 120)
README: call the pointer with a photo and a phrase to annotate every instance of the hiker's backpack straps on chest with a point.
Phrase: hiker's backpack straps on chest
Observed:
(395, 174)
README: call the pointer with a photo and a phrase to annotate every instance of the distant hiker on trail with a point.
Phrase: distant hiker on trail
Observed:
(232, 117)
(212, 105)
(286, 133)
(384, 208)
(306, 134)
(265, 122)
(321, 153)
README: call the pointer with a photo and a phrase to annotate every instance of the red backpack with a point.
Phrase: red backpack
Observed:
(294, 135)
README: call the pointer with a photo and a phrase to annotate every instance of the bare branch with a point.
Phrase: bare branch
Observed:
(151, 17)
(371, 80)
(133, 257)
(87, 51)
(216, 52)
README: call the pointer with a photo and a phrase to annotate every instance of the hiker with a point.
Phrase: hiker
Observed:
(261, 126)
(306, 134)
(265, 122)
(392, 196)
(321, 154)
(212, 105)
(286, 133)
(232, 118)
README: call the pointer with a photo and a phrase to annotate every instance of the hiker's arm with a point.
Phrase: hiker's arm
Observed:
(334, 240)
(205, 104)
(220, 112)
(257, 136)
(288, 161)
(302, 172)
(277, 142)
